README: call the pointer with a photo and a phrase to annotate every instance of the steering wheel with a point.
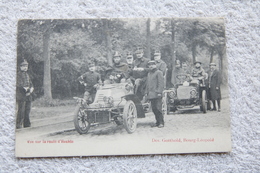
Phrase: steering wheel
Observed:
(182, 76)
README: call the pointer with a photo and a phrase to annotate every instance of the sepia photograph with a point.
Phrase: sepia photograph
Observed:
(121, 86)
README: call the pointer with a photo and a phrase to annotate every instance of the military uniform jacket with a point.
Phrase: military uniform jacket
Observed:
(161, 65)
(23, 80)
(121, 68)
(140, 63)
(154, 85)
(90, 78)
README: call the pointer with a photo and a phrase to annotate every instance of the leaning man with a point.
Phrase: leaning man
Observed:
(154, 89)
(24, 89)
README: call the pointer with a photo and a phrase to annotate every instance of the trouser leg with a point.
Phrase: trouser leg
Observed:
(157, 110)
(20, 114)
(153, 104)
(214, 104)
(27, 111)
(218, 101)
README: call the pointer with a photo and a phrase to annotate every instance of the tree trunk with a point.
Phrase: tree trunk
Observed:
(108, 42)
(221, 66)
(148, 38)
(193, 49)
(173, 52)
(47, 64)
(211, 55)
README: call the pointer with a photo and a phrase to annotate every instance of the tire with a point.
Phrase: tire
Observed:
(80, 121)
(130, 116)
(204, 101)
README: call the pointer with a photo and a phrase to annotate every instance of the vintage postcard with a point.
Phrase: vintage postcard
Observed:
(135, 86)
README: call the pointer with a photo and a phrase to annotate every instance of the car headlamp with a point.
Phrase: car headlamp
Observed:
(110, 100)
(172, 94)
(193, 93)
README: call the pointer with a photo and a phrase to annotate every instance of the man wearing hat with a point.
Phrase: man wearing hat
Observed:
(214, 86)
(198, 72)
(24, 89)
(139, 73)
(120, 69)
(91, 80)
(153, 92)
(160, 64)
(129, 60)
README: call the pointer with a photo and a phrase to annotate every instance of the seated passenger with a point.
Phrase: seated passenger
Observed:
(91, 80)
(198, 73)
(119, 72)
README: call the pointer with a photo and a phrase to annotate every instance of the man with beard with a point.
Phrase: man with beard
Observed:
(119, 71)
(154, 91)
(24, 89)
(160, 64)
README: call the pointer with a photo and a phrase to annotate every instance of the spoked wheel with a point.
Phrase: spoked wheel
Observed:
(130, 116)
(204, 101)
(164, 104)
(80, 121)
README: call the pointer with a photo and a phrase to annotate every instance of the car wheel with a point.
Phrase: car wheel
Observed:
(204, 101)
(80, 121)
(130, 116)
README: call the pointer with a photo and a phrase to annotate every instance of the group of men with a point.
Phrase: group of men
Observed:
(147, 77)
(212, 80)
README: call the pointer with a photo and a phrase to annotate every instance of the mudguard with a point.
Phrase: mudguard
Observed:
(138, 104)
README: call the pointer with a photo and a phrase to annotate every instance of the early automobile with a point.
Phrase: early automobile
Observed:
(187, 94)
(113, 103)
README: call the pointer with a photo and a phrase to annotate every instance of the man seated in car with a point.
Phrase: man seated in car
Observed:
(184, 73)
(198, 73)
(119, 71)
(91, 80)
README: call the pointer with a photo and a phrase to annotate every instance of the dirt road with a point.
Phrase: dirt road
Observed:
(185, 126)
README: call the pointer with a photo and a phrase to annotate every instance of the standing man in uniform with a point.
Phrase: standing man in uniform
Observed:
(160, 64)
(24, 89)
(91, 80)
(214, 86)
(139, 73)
(154, 91)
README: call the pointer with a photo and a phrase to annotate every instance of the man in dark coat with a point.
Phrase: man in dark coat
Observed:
(91, 80)
(24, 89)
(139, 73)
(153, 92)
(119, 71)
(214, 86)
